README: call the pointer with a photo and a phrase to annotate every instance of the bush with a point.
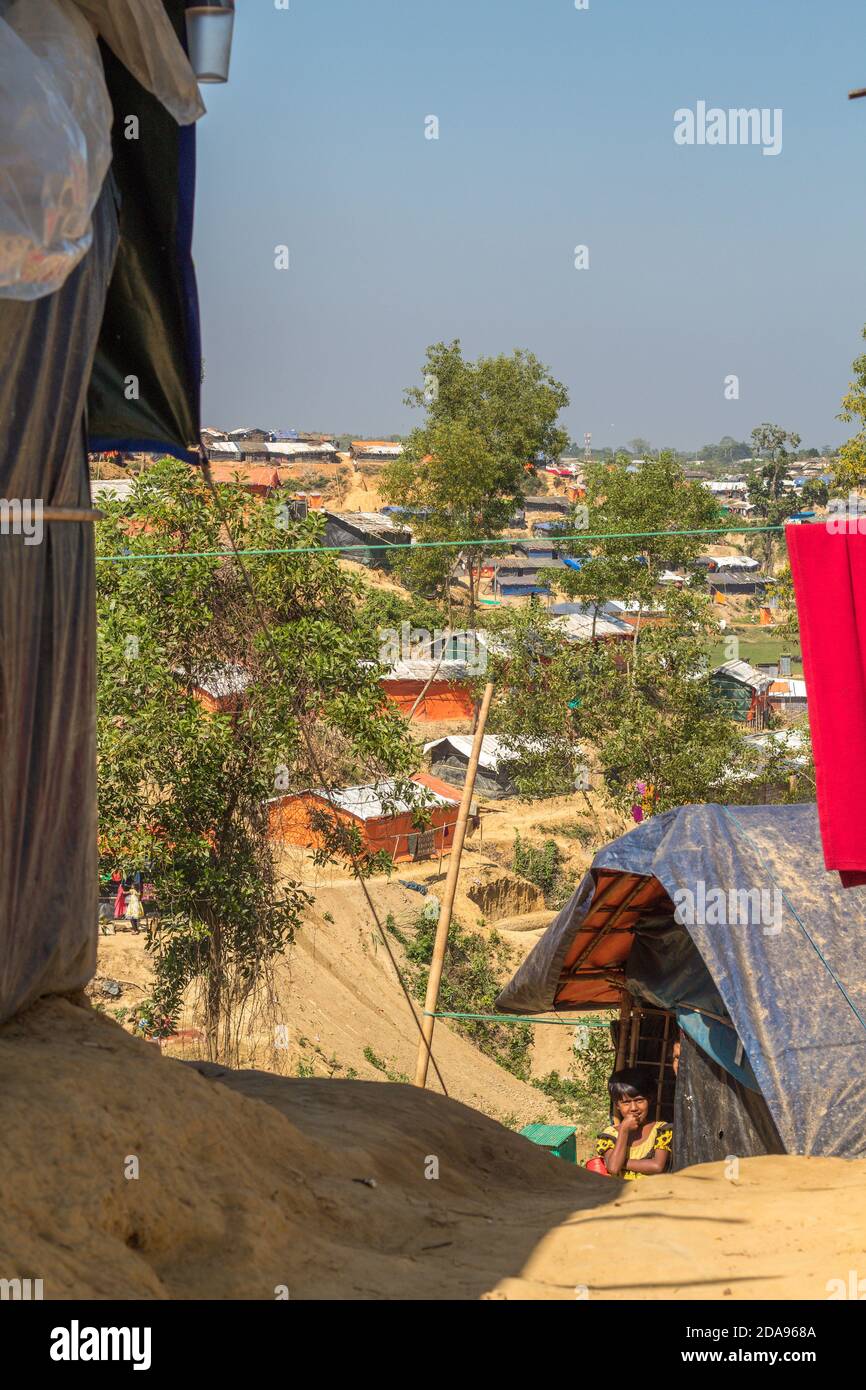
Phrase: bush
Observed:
(542, 865)
(471, 982)
(583, 1096)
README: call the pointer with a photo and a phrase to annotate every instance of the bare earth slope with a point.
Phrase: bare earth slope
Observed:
(248, 1182)
(337, 998)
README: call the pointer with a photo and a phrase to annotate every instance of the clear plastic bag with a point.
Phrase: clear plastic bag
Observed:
(56, 118)
(140, 34)
(55, 143)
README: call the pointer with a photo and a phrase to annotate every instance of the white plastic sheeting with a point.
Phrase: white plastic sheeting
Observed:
(56, 119)
(55, 143)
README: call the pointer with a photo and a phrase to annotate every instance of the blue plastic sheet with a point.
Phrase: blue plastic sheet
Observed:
(792, 982)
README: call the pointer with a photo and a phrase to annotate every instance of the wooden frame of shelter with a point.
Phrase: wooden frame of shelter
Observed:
(593, 976)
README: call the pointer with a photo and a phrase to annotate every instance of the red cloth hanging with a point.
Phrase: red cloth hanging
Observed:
(828, 565)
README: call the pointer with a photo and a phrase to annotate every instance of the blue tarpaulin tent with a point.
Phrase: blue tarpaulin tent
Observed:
(727, 918)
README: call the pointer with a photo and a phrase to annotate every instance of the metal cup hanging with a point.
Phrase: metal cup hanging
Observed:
(209, 31)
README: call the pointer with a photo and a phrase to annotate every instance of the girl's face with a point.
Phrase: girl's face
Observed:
(638, 1106)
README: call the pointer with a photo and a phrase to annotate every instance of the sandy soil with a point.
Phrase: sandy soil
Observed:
(128, 1175)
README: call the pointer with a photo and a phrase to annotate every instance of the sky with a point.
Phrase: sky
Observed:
(556, 130)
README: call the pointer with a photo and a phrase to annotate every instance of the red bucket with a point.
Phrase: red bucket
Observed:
(596, 1165)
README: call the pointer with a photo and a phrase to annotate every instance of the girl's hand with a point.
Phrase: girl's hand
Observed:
(628, 1124)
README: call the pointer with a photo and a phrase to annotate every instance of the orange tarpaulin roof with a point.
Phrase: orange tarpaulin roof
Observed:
(593, 970)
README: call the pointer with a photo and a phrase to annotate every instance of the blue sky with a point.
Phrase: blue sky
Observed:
(555, 130)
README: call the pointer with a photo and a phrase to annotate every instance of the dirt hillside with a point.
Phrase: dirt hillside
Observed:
(129, 1175)
(336, 1003)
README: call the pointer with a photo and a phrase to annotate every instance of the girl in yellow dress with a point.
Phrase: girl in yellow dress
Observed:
(633, 1146)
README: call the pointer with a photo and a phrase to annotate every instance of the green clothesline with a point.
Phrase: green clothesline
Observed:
(520, 1018)
(433, 545)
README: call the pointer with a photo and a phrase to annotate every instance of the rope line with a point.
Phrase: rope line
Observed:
(518, 1018)
(432, 545)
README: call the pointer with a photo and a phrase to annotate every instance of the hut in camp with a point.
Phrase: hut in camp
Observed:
(366, 536)
(416, 828)
(787, 696)
(375, 450)
(430, 688)
(546, 503)
(744, 691)
(219, 689)
(720, 928)
(449, 762)
(259, 480)
(737, 585)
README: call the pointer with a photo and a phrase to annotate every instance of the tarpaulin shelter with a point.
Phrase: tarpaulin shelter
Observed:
(125, 312)
(722, 922)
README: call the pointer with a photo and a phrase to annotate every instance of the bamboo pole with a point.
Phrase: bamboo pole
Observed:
(622, 1035)
(439, 945)
(662, 1065)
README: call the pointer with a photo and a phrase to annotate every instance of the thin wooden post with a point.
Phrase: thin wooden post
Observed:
(444, 922)
(622, 1035)
(634, 1041)
(663, 1064)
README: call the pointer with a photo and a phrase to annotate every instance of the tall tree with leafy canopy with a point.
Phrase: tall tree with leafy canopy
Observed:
(466, 470)
(642, 712)
(537, 677)
(659, 722)
(184, 788)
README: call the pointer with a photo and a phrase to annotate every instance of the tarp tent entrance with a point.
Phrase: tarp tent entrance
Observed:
(723, 923)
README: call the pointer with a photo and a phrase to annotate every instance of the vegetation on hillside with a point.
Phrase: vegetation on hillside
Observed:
(183, 789)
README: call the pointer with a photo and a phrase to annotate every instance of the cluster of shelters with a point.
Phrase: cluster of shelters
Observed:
(263, 446)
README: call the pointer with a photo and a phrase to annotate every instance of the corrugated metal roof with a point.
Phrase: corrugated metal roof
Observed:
(377, 446)
(746, 674)
(111, 487)
(220, 681)
(292, 448)
(493, 751)
(578, 627)
(788, 689)
(424, 667)
(223, 446)
(376, 799)
(736, 562)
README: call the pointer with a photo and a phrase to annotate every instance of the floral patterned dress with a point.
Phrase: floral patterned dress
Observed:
(660, 1136)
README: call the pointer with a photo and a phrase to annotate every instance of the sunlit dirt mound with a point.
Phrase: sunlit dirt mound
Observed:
(130, 1175)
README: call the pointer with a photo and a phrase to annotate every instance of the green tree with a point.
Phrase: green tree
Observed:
(850, 467)
(183, 788)
(815, 493)
(650, 508)
(658, 721)
(466, 470)
(537, 678)
(772, 501)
